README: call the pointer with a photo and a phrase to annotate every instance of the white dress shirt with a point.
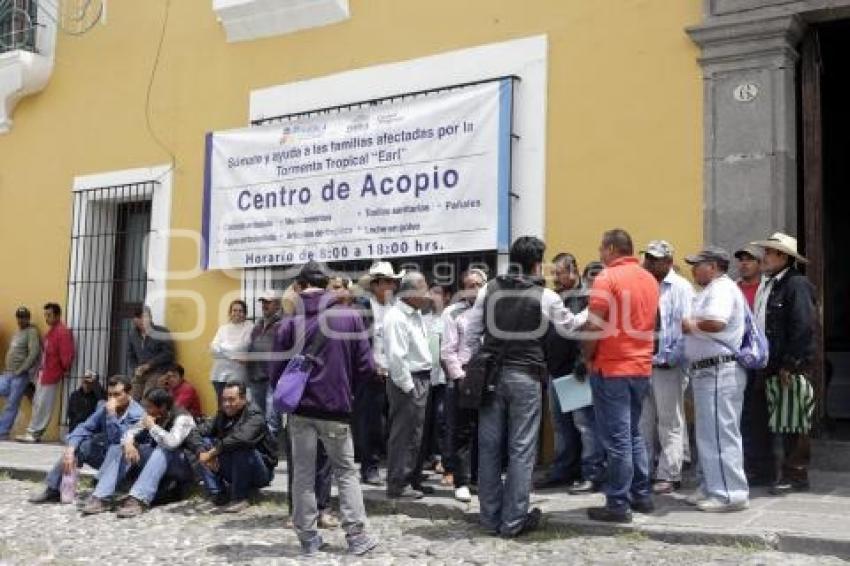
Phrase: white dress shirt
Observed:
(763, 294)
(551, 305)
(169, 440)
(379, 311)
(406, 344)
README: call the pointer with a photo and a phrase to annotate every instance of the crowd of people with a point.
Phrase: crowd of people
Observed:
(383, 370)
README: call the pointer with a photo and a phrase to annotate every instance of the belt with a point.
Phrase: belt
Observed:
(711, 362)
(663, 366)
(425, 374)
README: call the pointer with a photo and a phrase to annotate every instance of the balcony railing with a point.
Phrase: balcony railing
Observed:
(17, 25)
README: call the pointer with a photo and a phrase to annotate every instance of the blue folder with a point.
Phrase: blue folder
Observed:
(572, 393)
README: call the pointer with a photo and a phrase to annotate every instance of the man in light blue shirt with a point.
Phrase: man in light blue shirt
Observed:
(663, 418)
(88, 443)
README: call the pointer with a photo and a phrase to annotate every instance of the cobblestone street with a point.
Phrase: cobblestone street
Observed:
(181, 534)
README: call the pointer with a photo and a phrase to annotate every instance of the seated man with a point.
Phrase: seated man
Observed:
(155, 446)
(84, 401)
(182, 391)
(236, 451)
(89, 442)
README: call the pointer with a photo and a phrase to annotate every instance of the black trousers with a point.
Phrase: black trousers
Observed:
(370, 405)
(759, 459)
(462, 437)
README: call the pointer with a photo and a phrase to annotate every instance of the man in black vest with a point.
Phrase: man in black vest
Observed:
(786, 311)
(521, 310)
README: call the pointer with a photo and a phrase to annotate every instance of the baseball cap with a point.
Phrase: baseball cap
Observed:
(90, 375)
(269, 295)
(708, 253)
(22, 312)
(750, 249)
(658, 249)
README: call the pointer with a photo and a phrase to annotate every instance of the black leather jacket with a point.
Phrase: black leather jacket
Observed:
(790, 319)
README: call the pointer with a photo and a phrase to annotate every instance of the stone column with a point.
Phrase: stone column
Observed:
(749, 120)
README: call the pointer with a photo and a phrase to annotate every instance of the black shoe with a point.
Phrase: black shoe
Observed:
(551, 483)
(608, 516)
(645, 507)
(532, 523)
(46, 496)
(425, 489)
(582, 487)
(220, 499)
(784, 487)
(372, 477)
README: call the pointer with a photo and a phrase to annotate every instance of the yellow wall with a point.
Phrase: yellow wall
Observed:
(624, 122)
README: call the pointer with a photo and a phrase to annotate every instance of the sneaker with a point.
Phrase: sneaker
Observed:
(609, 516)
(406, 493)
(644, 507)
(714, 505)
(327, 520)
(46, 496)
(665, 487)
(582, 487)
(463, 495)
(236, 506)
(362, 544)
(313, 547)
(131, 507)
(696, 497)
(27, 438)
(94, 505)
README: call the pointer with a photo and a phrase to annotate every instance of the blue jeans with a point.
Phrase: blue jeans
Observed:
(592, 454)
(513, 409)
(239, 473)
(718, 400)
(568, 447)
(617, 402)
(155, 463)
(12, 387)
(91, 451)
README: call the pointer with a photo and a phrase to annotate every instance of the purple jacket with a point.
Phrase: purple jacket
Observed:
(346, 356)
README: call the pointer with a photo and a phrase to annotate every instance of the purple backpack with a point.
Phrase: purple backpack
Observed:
(293, 380)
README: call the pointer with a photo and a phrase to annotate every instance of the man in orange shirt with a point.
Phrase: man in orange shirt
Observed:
(623, 313)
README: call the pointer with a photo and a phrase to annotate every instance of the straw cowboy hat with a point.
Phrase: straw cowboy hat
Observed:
(782, 243)
(384, 270)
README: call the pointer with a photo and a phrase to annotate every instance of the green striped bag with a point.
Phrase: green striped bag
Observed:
(790, 408)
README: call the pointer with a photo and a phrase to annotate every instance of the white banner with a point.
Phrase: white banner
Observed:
(426, 176)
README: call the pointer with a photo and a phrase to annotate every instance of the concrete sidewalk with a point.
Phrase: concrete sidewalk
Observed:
(812, 523)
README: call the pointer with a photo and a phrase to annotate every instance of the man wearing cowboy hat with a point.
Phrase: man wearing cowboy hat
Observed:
(370, 399)
(785, 310)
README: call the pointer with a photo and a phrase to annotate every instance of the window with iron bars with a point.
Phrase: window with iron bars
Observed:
(107, 277)
(18, 25)
(444, 269)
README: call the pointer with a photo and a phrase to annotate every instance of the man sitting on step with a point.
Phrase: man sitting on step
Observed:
(156, 447)
(89, 441)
